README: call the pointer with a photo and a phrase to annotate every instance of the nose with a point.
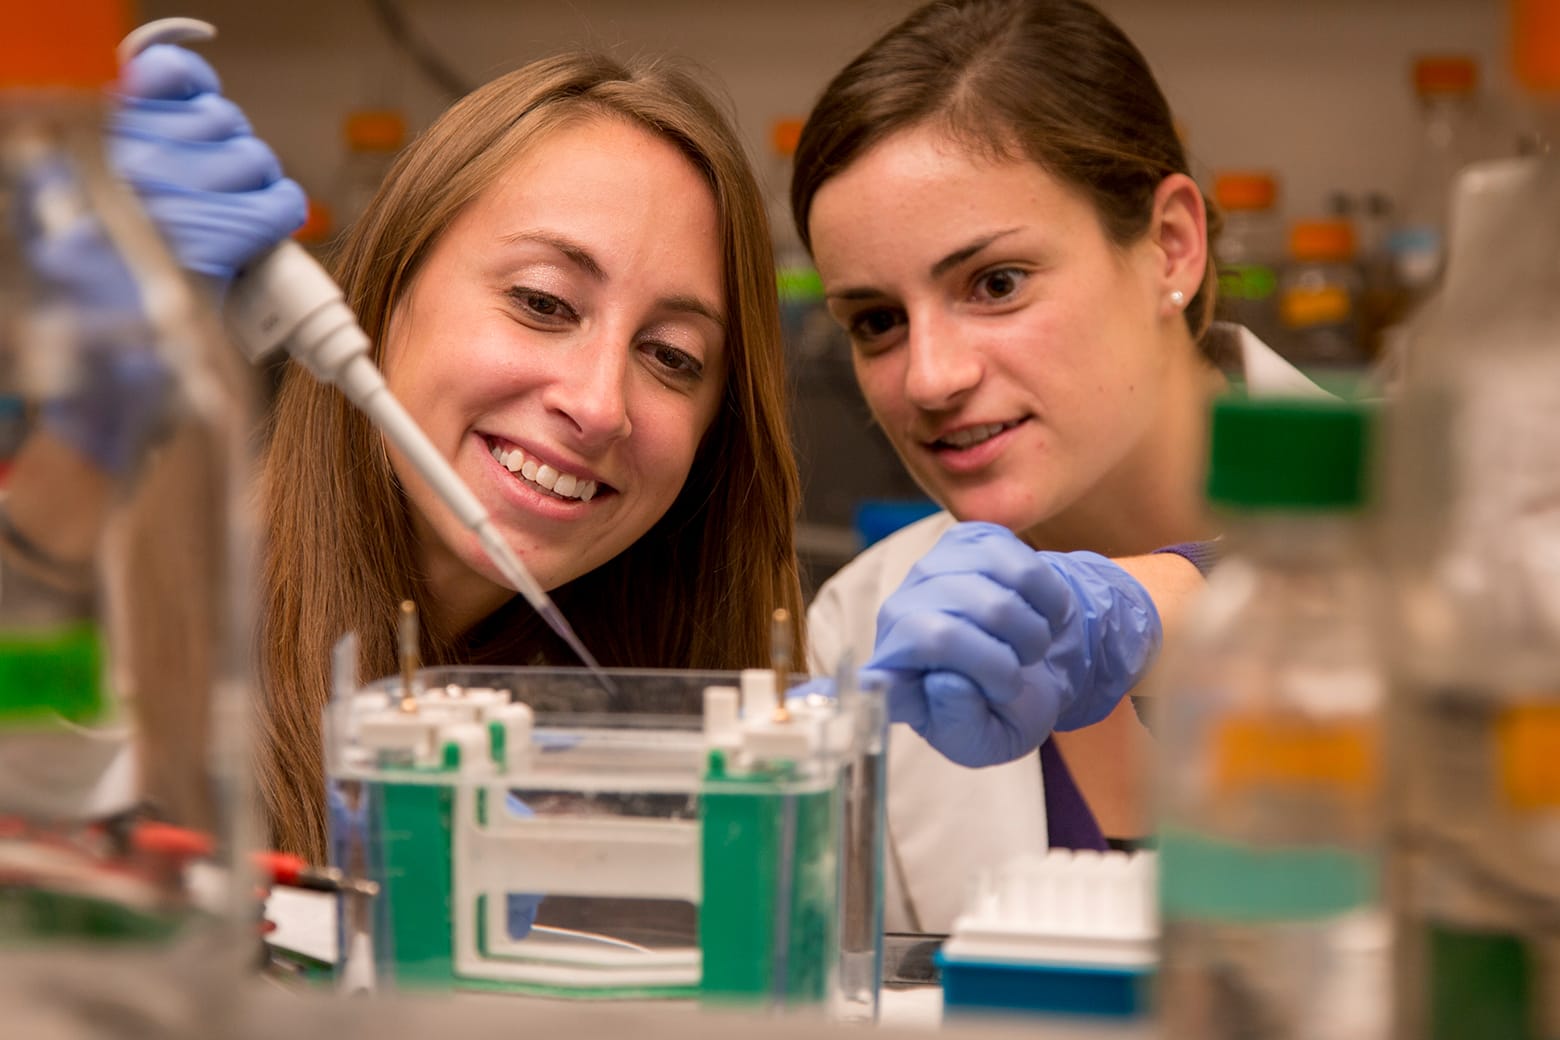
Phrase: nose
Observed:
(590, 391)
(942, 367)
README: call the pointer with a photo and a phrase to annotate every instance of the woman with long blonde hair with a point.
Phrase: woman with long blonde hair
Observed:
(568, 282)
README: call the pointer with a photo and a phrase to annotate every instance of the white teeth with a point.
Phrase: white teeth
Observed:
(564, 485)
(973, 435)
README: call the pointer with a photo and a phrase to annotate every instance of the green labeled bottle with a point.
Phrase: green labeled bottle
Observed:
(1270, 730)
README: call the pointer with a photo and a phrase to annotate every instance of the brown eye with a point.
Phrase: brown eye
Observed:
(999, 284)
(678, 361)
(543, 306)
(874, 323)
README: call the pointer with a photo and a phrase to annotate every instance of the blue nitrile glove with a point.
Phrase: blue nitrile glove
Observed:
(988, 645)
(521, 906)
(215, 191)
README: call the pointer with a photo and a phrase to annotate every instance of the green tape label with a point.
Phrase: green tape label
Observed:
(1247, 281)
(51, 673)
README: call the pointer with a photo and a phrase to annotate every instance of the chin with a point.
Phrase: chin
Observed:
(1000, 510)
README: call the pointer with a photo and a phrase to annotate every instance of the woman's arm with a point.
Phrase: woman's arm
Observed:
(1112, 761)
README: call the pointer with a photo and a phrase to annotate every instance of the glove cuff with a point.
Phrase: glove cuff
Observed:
(1122, 634)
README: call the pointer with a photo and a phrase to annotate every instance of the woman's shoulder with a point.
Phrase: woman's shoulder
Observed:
(880, 568)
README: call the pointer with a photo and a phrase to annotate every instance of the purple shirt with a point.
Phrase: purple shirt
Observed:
(1069, 822)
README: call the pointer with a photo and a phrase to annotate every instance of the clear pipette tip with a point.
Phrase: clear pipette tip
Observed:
(515, 573)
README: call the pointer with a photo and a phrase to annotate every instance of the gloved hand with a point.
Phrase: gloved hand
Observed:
(215, 191)
(988, 645)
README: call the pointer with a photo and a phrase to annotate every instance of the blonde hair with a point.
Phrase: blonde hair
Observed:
(696, 591)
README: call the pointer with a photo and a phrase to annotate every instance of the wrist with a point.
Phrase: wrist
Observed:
(1119, 633)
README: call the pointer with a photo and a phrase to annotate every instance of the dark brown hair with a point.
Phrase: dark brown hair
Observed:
(1053, 81)
(696, 591)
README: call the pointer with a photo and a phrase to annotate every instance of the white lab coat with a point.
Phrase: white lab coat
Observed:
(946, 822)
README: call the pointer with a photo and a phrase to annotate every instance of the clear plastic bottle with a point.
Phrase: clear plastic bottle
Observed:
(1381, 298)
(373, 138)
(124, 657)
(1446, 91)
(1270, 714)
(1319, 296)
(1474, 484)
(1250, 251)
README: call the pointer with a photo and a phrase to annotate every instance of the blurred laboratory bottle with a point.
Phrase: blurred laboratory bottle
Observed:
(805, 323)
(372, 138)
(1380, 295)
(1250, 250)
(1474, 485)
(318, 232)
(123, 560)
(1448, 138)
(1319, 296)
(1270, 813)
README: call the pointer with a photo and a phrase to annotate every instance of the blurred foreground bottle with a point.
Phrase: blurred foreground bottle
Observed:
(1474, 480)
(124, 554)
(1270, 826)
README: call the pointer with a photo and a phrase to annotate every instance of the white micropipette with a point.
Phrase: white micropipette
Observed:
(286, 301)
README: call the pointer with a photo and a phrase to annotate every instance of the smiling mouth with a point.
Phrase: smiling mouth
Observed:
(970, 436)
(541, 477)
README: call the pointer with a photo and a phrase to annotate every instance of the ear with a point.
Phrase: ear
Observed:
(1179, 228)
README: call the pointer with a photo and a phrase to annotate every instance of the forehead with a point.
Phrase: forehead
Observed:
(921, 184)
(594, 160)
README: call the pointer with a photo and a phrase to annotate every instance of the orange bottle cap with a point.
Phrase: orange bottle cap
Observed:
(1321, 241)
(63, 43)
(1445, 74)
(375, 130)
(1245, 190)
(784, 135)
(318, 223)
(1535, 43)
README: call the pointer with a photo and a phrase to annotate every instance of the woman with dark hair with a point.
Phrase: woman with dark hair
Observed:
(568, 282)
(1002, 215)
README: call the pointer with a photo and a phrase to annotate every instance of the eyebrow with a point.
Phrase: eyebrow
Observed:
(958, 256)
(694, 305)
(938, 269)
(580, 257)
(576, 254)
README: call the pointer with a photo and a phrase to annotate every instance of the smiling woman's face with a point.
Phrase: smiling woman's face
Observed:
(1005, 344)
(563, 344)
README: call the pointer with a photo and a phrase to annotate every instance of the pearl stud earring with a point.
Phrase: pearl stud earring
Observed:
(1177, 299)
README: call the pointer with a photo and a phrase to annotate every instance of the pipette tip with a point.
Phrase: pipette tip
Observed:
(780, 651)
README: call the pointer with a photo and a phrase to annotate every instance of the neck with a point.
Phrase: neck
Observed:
(1153, 497)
